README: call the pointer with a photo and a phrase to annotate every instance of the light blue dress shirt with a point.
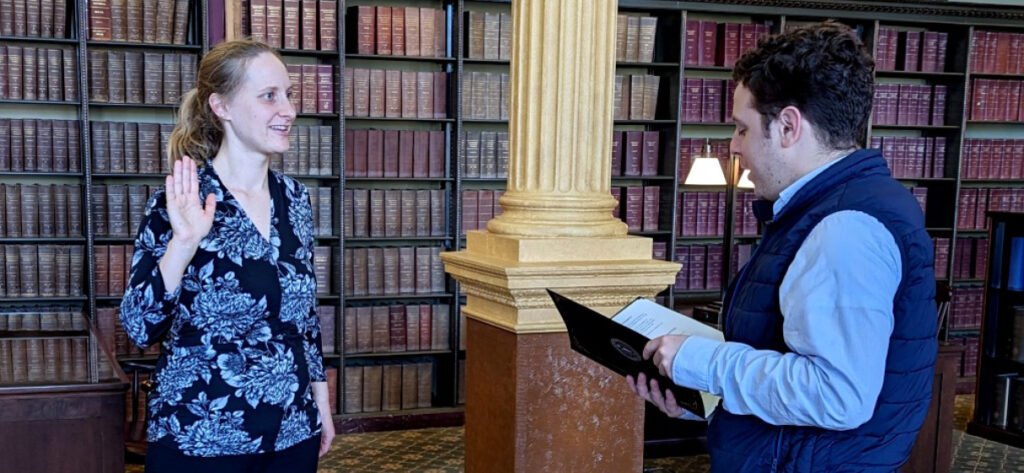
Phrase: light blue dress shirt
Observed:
(837, 306)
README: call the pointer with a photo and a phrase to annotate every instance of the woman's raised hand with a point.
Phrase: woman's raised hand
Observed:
(191, 220)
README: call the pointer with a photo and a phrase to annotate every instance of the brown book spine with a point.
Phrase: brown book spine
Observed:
(70, 62)
(115, 76)
(258, 18)
(291, 24)
(326, 313)
(133, 21)
(172, 78)
(353, 391)
(29, 135)
(14, 74)
(324, 88)
(74, 195)
(5, 146)
(60, 146)
(321, 269)
(149, 148)
(154, 74)
(7, 17)
(116, 270)
(117, 211)
(424, 95)
(392, 393)
(54, 75)
(412, 31)
(409, 386)
(13, 267)
(424, 384)
(309, 88)
(427, 32)
(180, 21)
(3, 71)
(372, 380)
(44, 145)
(47, 215)
(440, 95)
(118, 20)
(397, 32)
(188, 71)
(149, 27)
(17, 145)
(29, 268)
(308, 28)
(115, 139)
(396, 328)
(100, 147)
(99, 20)
(328, 25)
(30, 210)
(28, 70)
(274, 22)
(383, 31)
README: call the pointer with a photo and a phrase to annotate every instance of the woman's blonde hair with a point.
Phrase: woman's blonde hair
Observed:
(199, 132)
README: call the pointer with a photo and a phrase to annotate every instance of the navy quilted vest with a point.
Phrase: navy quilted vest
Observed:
(739, 443)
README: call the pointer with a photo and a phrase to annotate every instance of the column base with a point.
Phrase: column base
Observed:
(534, 405)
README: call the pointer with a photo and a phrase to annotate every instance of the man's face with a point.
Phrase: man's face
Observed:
(757, 152)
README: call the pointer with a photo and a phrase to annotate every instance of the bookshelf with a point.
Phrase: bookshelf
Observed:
(464, 157)
(999, 401)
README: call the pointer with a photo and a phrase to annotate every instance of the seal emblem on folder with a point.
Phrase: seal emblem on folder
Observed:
(626, 350)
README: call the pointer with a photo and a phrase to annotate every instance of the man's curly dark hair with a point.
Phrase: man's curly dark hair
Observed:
(822, 69)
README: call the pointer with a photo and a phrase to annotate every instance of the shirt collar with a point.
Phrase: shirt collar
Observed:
(792, 189)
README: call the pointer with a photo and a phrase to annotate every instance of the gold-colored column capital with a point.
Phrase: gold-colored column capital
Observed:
(560, 127)
(506, 277)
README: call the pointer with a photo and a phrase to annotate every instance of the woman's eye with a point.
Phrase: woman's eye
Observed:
(269, 96)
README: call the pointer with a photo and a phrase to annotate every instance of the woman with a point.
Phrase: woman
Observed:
(222, 275)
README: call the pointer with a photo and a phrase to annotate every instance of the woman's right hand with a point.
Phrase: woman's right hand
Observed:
(190, 219)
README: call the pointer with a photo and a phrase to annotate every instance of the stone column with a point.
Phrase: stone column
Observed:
(533, 404)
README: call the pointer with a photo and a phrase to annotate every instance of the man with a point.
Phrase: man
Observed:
(831, 325)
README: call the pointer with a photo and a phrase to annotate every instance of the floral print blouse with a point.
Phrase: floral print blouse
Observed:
(240, 333)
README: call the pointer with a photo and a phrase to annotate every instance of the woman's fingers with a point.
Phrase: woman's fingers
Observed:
(178, 175)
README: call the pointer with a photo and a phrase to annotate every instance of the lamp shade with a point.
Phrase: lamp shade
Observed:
(745, 182)
(705, 171)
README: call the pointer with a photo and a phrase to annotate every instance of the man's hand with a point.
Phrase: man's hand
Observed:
(664, 350)
(665, 402)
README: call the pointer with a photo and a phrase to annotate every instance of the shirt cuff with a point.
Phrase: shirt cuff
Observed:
(691, 365)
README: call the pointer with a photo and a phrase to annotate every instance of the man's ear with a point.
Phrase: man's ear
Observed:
(790, 125)
(219, 106)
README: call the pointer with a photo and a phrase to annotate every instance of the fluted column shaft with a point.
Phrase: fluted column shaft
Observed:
(562, 75)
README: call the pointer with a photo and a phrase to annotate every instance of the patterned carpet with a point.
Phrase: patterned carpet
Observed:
(440, 451)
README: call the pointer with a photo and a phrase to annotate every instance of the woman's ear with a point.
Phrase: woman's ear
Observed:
(219, 106)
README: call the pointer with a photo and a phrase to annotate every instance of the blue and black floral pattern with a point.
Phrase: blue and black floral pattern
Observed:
(240, 333)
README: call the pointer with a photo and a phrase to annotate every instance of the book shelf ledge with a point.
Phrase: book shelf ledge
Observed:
(652, 65)
(919, 74)
(399, 179)
(982, 182)
(35, 39)
(651, 122)
(486, 61)
(317, 115)
(400, 119)
(43, 240)
(916, 127)
(327, 237)
(485, 120)
(41, 174)
(707, 68)
(926, 179)
(373, 298)
(308, 53)
(314, 177)
(53, 299)
(160, 46)
(132, 105)
(40, 102)
(653, 233)
(699, 239)
(396, 354)
(994, 122)
(642, 178)
(119, 175)
(388, 57)
(994, 75)
(394, 239)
